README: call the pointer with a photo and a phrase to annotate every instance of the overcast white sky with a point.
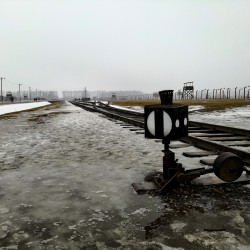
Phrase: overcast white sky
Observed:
(146, 45)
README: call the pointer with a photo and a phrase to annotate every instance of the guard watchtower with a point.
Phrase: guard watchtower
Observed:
(188, 90)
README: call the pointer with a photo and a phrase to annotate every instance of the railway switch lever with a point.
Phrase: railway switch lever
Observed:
(166, 121)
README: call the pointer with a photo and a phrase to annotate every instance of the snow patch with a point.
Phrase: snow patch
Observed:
(178, 226)
(72, 227)
(216, 240)
(142, 211)
(125, 108)
(24, 205)
(4, 210)
(10, 108)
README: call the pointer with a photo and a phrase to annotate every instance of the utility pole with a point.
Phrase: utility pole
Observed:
(30, 93)
(19, 91)
(85, 91)
(2, 88)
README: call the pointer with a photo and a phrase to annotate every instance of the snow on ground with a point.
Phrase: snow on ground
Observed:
(66, 178)
(10, 108)
(65, 183)
(195, 107)
(236, 117)
(128, 108)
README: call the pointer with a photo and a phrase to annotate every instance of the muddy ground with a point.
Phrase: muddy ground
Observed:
(65, 183)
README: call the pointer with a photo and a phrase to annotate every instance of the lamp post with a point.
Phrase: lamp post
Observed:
(196, 94)
(235, 92)
(2, 88)
(19, 85)
(216, 93)
(228, 93)
(213, 93)
(220, 92)
(201, 92)
(207, 94)
(239, 93)
(245, 91)
(85, 94)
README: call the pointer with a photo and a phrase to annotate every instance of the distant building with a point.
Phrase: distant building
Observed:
(9, 96)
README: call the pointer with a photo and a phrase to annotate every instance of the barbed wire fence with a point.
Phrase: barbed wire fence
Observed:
(222, 93)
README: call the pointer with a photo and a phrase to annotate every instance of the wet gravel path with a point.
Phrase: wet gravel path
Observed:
(65, 183)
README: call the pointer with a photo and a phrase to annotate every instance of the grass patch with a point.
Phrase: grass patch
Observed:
(209, 105)
(53, 105)
(9, 116)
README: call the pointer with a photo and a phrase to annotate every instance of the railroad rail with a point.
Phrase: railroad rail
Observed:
(213, 139)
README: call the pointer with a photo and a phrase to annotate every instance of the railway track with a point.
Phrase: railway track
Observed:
(212, 139)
